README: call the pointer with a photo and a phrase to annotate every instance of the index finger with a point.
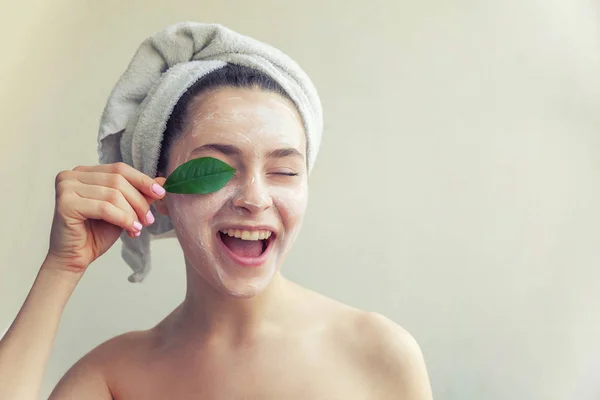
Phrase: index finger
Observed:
(142, 182)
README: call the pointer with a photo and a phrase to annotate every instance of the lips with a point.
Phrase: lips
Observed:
(247, 247)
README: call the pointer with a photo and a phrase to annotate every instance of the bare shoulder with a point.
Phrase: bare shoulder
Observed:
(126, 346)
(388, 355)
(378, 332)
(92, 376)
(381, 352)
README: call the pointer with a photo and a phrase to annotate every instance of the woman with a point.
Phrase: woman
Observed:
(243, 331)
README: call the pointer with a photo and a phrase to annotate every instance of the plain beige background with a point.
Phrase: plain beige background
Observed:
(457, 190)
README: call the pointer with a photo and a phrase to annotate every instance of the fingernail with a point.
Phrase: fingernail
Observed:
(137, 234)
(149, 217)
(137, 226)
(159, 190)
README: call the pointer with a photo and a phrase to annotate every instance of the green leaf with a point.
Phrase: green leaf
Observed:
(199, 176)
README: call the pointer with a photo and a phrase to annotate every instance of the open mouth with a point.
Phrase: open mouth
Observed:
(247, 247)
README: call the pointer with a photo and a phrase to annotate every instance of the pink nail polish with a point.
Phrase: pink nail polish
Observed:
(137, 234)
(137, 226)
(159, 190)
(149, 217)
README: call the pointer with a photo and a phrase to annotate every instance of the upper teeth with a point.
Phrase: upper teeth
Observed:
(247, 235)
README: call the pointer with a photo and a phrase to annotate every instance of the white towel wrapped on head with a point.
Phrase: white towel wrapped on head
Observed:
(162, 69)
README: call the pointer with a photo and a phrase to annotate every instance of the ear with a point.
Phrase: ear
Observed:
(160, 204)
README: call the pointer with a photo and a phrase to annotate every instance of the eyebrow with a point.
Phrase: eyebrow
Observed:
(230, 150)
(283, 153)
(225, 149)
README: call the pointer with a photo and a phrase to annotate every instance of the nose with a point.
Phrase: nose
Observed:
(253, 197)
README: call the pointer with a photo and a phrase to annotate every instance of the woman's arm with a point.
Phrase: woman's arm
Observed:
(26, 346)
(94, 205)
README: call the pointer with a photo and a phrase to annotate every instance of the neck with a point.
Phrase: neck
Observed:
(209, 314)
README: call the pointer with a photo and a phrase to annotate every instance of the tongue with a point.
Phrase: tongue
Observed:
(243, 248)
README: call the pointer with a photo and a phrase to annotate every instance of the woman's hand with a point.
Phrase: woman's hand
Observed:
(93, 206)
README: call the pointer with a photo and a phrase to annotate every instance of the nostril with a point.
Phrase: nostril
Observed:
(252, 203)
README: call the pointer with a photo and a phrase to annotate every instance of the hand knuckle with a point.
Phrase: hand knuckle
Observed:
(113, 196)
(144, 181)
(117, 181)
(61, 176)
(120, 167)
(127, 219)
(62, 187)
(105, 209)
(78, 168)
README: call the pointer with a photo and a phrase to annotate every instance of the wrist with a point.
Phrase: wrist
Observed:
(55, 282)
(59, 267)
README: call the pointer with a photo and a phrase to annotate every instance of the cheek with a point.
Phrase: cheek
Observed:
(191, 212)
(186, 211)
(291, 203)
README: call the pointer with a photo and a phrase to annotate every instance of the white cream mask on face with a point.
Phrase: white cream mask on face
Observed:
(264, 192)
(161, 71)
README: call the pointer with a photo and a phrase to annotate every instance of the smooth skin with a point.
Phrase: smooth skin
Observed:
(239, 333)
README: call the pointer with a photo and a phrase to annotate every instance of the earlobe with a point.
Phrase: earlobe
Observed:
(161, 207)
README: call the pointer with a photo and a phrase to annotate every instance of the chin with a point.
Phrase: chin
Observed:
(242, 286)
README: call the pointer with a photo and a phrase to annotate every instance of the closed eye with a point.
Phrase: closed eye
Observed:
(286, 173)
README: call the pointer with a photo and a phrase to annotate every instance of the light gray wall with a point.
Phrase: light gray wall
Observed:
(457, 189)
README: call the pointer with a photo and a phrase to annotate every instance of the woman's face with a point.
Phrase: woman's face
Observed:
(237, 237)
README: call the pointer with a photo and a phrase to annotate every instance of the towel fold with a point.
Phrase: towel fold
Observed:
(162, 69)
